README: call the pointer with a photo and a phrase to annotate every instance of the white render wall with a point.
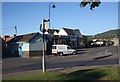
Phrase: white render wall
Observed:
(62, 33)
(33, 46)
(36, 46)
(55, 33)
(25, 47)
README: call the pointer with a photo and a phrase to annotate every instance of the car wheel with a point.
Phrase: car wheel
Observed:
(61, 54)
(74, 53)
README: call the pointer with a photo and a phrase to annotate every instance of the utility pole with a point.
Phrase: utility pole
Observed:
(51, 5)
(15, 30)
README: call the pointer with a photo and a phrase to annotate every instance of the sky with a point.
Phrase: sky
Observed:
(27, 16)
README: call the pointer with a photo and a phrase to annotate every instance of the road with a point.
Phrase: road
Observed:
(84, 57)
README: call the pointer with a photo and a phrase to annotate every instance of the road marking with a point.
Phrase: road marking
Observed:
(100, 53)
(0, 62)
(85, 54)
(36, 57)
(103, 52)
(69, 56)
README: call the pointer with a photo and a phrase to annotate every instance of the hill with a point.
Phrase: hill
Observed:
(109, 34)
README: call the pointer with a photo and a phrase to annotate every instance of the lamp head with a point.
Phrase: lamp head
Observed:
(53, 6)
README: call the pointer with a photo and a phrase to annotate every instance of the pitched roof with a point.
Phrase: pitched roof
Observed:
(23, 38)
(7, 38)
(69, 31)
(76, 30)
(56, 30)
(53, 30)
(27, 37)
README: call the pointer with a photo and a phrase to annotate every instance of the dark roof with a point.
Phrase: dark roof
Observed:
(53, 30)
(76, 30)
(69, 31)
(23, 38)
(56, 30)
(15, 39)
(27, 37)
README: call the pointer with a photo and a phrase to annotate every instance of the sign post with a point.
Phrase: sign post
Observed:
(43, 28)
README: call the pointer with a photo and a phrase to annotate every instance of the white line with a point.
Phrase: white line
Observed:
(0, 62)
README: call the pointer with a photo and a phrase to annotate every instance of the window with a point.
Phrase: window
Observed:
(54, 47)
(68, 47)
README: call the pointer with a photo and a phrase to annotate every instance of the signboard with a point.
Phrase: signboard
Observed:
(44, 25)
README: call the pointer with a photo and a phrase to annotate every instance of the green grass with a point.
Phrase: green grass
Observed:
(110, 73)
(39, 76)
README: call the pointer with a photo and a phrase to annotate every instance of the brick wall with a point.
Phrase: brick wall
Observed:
(33, 53)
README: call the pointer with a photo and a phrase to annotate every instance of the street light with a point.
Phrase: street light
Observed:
(53, 6)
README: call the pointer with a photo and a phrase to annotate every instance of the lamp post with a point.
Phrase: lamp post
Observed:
(53, 6)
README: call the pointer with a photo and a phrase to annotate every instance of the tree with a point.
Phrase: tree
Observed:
(92, 3)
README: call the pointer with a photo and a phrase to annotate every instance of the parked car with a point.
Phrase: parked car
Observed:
(62, 49)
(97, 43)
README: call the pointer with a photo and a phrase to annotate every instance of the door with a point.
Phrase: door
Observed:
(69, 50)
(20, 49)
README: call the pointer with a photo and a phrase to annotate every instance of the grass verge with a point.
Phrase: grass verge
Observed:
(109, 73)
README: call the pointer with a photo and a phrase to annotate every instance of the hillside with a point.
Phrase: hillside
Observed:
(109, 34)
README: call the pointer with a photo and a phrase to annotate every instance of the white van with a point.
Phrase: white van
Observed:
(62, 49)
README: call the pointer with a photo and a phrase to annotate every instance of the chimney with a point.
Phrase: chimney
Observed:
(14, 35)
(5, 37)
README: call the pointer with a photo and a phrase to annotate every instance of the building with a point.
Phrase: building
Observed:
(27, 45)
(69, 37)
(2, 46)
(7, 38)
(116, 41)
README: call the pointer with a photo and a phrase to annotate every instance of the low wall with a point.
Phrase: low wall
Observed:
(33, 53)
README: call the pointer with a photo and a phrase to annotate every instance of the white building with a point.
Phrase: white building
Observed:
(70, 37)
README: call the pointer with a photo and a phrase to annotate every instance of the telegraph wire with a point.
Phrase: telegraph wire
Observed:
(9, 30)
(7, 27)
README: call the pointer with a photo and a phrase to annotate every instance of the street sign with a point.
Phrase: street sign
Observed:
(44, 25)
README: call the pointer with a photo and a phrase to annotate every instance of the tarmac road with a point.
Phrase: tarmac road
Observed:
(85, 57)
